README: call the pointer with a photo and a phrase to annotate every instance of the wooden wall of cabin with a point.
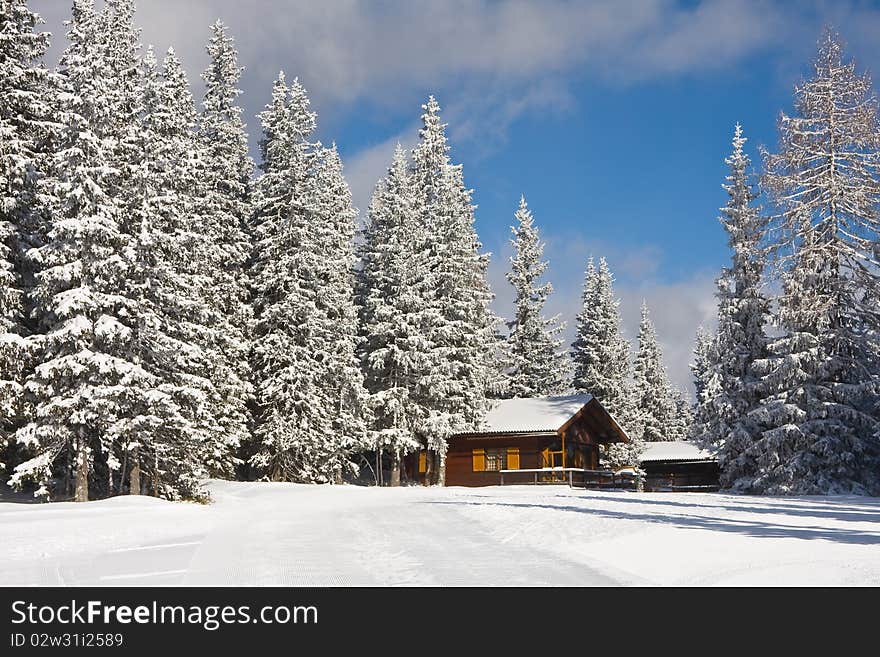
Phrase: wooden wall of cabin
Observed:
(531, 451)
(460, 458)
(669, 475)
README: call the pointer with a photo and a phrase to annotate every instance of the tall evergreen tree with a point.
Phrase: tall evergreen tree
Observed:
(728, 385)
(26, 129)
(178, 435)
(343, 383)
(704, 360)
(538, 367)
(819, 424)
(118, 390)
(81, 382)
(459, 327)
(303, 348)
(600, 355)
(684, 414)
(654, 396)
(392, 347)
(169, 428)
(225, 207)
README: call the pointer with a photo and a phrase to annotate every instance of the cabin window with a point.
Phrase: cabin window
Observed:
(423, 462)
(496, 459)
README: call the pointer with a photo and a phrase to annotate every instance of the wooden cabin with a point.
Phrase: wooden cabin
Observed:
(679, 466)
(527, 434)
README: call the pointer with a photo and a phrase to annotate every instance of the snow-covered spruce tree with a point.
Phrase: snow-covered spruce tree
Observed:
(704, 360)
(85, 371)
(537, 366)
(684, 414)
(225, 182)
(819, 425)
(25, 131)
(178, 436)
(460, 329)
(169, 427)
(343, 381)
(109, 395)
(654, 396)
(600, 355)
(304, 333)
(118, 46)
(183, 198)
(728, 386)
(392, 344)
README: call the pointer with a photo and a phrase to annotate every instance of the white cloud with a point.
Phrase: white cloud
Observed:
(490, 62)
(392, 52)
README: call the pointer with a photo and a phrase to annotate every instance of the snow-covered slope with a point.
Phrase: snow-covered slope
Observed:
(286, 534)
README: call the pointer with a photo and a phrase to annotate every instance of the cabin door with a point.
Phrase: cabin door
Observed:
(552, 458)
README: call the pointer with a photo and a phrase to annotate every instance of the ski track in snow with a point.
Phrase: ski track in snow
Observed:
(295, 535)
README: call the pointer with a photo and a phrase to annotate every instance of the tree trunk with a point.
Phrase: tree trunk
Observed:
(429, 467)
(134, 480)
(122, 473)
(82, 470)
(395, 469)
(441, 470)
(155, 478)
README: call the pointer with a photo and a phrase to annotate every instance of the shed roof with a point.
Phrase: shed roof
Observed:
(675, 450)
(533, 414)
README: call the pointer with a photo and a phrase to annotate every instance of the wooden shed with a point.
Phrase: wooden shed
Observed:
(526, 434)
(679, 466)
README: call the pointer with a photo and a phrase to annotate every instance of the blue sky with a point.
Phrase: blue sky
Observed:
(612, 117)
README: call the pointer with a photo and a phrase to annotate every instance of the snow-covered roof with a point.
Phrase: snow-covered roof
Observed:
(674, 450)
(533, 413)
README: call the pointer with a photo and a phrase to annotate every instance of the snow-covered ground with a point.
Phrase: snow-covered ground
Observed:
(285, 534)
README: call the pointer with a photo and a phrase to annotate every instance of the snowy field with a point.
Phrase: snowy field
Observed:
(286, 534)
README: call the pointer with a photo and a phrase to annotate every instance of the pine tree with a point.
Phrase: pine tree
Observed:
(600, 355)
(25, 129)
(728, 385)
(819, 423)
(81, 382)
(343, 383)
(392, 346)
(168, 428)
(304, 324)
(655, 398)
(225, 207)
(118, 388)
(178, 435)
(684, 415)
(704, 360)
(460, 328)
(538, 367)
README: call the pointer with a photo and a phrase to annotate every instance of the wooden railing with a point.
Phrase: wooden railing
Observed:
(574, 477)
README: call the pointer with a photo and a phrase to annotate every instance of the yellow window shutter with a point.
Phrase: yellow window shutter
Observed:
(513, 458)
(423, 462)
(479, 460)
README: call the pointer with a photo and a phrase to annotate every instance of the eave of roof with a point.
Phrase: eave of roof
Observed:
(472, 435)
(708, 459)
